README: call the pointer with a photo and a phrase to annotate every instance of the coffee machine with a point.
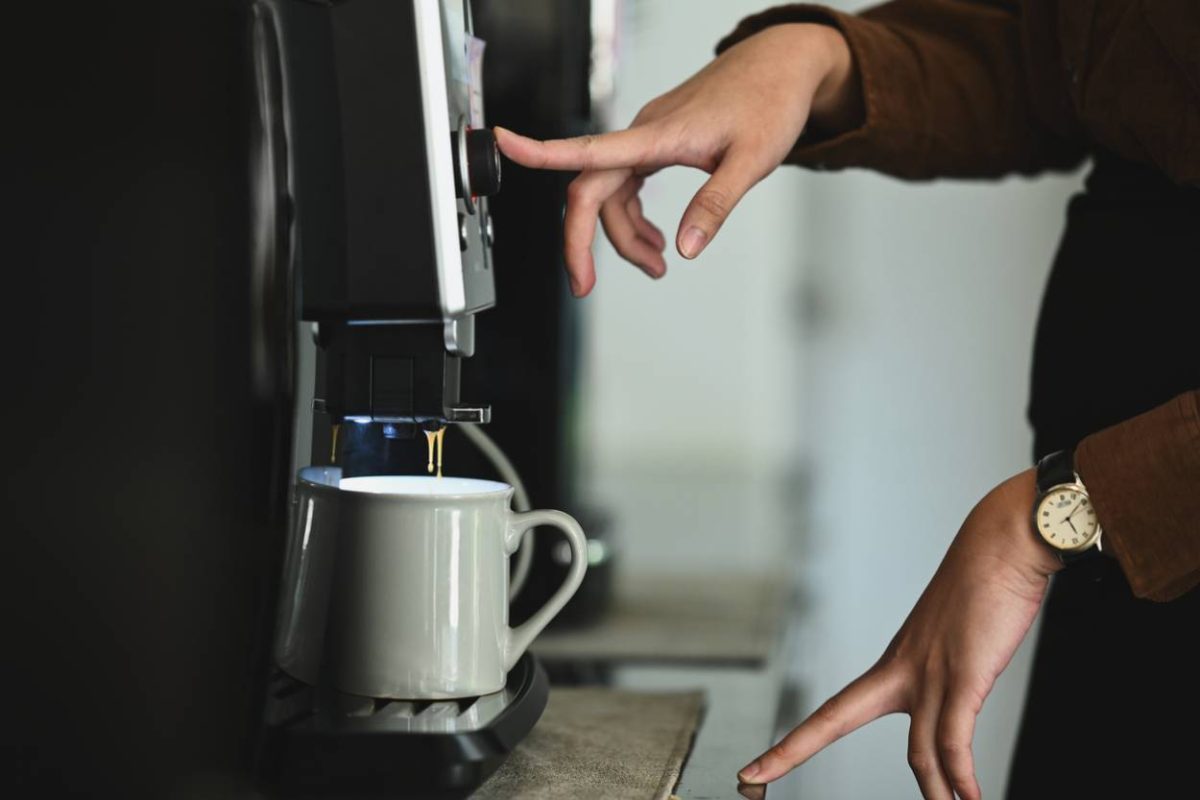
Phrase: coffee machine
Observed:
(375, 173)
(373, 170)
(161, 393)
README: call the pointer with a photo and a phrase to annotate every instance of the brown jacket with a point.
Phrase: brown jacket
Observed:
(983, 88)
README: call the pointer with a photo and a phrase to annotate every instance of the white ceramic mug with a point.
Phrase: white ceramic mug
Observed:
(397, 586)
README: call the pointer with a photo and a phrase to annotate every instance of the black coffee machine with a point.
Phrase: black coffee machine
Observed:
(524, 353)
(376, 171)
(156, 400)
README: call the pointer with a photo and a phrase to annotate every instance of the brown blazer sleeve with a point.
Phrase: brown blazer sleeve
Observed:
(1144, 478)
(944, 89)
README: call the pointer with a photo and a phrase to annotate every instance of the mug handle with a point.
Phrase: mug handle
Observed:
(518, 639)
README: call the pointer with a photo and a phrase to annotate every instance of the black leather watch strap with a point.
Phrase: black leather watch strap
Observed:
(1071, 558)
(1056, 468)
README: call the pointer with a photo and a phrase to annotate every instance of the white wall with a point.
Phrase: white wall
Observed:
(917, 384)
(901, 385)
(701, 366)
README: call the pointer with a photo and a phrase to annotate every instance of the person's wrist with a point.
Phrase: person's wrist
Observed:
(816, 59)
(837, 104)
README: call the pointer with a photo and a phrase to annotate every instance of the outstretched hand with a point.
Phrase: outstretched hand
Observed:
(942, 664)
(735, 119)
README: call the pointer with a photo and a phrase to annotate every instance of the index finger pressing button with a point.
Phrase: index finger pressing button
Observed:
(627, 148)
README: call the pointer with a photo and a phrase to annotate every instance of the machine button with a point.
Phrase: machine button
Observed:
(477, 147)
(483, 163)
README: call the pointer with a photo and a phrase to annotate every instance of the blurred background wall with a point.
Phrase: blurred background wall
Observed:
(827, 390)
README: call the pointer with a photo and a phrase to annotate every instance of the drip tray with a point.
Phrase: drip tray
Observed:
(366, 748)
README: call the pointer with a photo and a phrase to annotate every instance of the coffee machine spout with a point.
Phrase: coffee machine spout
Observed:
(392, 373)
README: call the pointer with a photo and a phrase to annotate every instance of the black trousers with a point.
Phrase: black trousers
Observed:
(1113, 706)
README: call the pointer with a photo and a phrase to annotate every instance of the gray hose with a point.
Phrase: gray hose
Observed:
(508, 474)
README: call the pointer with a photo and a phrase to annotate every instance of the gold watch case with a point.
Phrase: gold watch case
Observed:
(1065, 519)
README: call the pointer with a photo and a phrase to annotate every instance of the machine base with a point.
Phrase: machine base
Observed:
(397, 749)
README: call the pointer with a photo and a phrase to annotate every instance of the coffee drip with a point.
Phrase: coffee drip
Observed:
(366, 452)
(436, 441)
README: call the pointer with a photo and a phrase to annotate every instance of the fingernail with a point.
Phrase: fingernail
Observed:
(575, 287)
(693, 242)
(749, 772)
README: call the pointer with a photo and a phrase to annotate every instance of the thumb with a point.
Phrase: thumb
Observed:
(711, 206)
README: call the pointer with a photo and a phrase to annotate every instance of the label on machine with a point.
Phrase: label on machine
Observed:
(475, 48)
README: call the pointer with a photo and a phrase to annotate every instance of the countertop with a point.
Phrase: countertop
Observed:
(746, 690)
(742, 707)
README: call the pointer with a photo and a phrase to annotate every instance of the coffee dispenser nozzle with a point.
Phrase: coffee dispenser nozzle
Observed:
(399, 374)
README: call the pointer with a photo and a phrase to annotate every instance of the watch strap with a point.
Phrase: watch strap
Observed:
(1072, 557)
(1056, 468)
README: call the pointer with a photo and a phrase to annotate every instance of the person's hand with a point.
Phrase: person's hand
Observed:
(736, 119)
(943, 662)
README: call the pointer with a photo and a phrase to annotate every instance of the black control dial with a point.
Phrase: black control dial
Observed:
(482, 157)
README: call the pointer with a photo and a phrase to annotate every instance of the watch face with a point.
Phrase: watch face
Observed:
(1066, 520)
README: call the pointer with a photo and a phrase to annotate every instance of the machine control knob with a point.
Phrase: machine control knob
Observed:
(476, 150)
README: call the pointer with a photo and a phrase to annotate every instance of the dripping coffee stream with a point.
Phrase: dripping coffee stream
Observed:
(436, 441)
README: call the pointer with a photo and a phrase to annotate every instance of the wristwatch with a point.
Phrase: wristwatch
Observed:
(1063, 514)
